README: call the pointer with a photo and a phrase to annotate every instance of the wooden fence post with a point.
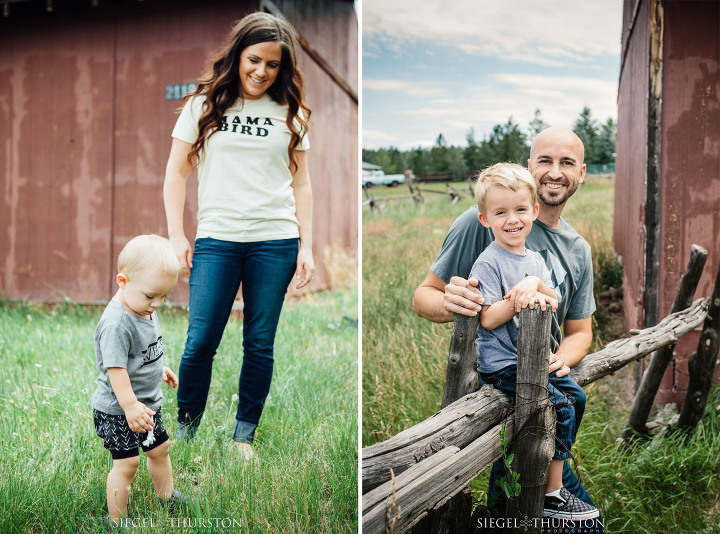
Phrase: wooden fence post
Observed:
(661, 358)
(460, 379)
(534, 440)
(703, 364)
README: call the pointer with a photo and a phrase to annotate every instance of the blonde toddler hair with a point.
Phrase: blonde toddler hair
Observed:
(149, 251)
(509, 175)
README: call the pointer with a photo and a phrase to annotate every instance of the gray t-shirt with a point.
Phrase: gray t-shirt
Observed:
(498, 271)
(133, 343)
(566, 255)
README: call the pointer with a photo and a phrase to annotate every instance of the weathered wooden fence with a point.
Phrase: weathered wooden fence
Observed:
(380, 205)
(411, 476)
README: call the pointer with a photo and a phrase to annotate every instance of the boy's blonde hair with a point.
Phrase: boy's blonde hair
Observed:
(509, 175)
(149, 251)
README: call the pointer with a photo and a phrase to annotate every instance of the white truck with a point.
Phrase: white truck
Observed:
(378, 177)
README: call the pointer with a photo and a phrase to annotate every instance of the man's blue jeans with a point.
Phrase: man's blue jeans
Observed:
(265, 269)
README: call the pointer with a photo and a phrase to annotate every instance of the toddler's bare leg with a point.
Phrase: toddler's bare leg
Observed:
(160, 469)
(118, 486)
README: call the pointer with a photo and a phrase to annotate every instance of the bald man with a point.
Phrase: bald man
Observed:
(557, 164)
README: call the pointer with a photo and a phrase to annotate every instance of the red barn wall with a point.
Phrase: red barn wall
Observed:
(689, 209)
(690, 186)
(631, 158)
(85, 134)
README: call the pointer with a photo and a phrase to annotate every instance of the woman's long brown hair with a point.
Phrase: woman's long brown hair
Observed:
(222, 87)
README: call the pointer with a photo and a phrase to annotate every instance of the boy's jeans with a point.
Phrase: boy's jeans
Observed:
(568, 398)
(265, 269)
(506, 380)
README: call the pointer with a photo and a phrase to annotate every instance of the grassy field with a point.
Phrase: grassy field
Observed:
(53, 467)
(667, 487)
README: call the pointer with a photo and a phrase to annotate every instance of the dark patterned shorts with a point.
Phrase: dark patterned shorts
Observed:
(123, 442)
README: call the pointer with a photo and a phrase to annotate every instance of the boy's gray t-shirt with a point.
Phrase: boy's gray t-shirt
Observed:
(566, 254)
(498, 271)
(133, 343)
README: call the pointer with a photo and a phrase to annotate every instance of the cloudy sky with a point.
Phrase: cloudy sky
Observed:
(432, 67)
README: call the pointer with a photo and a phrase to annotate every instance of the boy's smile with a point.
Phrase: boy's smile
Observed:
(509, 214)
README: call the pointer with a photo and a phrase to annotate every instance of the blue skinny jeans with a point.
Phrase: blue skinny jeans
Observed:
(265, 268)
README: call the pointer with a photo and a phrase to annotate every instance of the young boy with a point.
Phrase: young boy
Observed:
(511, 278)
(128, 347)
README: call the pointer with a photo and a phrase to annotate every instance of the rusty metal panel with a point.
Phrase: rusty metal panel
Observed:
(631, 160)
(85, 134)
(55, 160)
(690, 211)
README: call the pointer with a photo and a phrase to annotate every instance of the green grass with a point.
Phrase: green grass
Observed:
(667, 487)
(53, 467)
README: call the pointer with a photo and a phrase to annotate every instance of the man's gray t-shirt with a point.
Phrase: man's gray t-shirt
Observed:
(498, 271)
(133, 343)
(566, 254)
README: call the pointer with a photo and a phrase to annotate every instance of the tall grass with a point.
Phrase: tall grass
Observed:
(668, 487)
(53, 467)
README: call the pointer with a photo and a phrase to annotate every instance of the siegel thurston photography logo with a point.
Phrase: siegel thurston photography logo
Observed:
(221, 524)
(551, 525)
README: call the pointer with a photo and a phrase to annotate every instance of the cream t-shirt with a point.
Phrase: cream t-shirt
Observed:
(244, 178)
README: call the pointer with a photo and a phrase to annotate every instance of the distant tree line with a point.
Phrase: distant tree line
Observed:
(507, 142)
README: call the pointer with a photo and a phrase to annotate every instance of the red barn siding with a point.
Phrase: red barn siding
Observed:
(689, 184)
(85, 133)
(56, 154)
(690, 208)
(631, 160)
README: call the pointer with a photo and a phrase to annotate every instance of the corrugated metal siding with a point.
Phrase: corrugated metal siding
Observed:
(85, 135)
(690, 209)
(631, 161)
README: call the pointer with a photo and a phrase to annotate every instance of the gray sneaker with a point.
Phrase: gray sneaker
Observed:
(569, 507)
(175, 500)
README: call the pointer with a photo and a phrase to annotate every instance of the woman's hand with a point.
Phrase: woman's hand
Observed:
(305, 267)
(183, 251)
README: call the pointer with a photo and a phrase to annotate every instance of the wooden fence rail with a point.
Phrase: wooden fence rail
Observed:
(451, 448)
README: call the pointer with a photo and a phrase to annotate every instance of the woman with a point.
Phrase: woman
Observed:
(245, 129)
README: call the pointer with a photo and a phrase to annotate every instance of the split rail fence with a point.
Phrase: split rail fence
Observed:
(419, 477)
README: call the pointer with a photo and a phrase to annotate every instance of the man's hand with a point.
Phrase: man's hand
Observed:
(557, 364)
(139, 417)
(463, 297)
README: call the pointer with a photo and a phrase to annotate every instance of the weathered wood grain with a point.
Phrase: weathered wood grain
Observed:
(643, 401)
(534, 438)
(406, 500)
(619, 353)
(703, 364)
(461, 376)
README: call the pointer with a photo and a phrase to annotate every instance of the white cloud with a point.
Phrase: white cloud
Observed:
(541, 32)
(408, 88)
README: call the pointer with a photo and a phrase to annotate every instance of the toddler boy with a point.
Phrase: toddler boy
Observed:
(128, 347)
(511, 278)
